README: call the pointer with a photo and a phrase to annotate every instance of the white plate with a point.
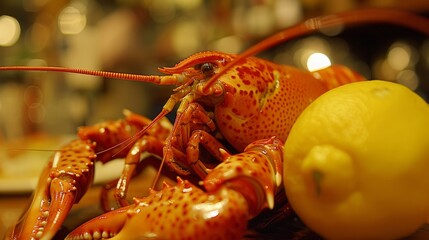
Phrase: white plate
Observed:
(23, 184)
(20, 173)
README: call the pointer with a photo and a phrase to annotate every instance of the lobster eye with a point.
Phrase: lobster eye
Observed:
(207, 68)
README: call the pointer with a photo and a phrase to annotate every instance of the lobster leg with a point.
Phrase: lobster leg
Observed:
(121, 185)
(237, 190)
(212, 145)
(63, 182)
(193, 117)
(146, 144)
(150, 145)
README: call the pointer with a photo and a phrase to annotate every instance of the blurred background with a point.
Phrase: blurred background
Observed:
(138, 36)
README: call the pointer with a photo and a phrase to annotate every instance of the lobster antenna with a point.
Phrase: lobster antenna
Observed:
(160, 80)
(140, 133)
(35, 149)
(355, 17)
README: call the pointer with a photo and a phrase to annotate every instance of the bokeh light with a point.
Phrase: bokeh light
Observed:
(72, 19)
(317, 61)
(399, 56)
(408, 78)
(287, 12)
(10, 30)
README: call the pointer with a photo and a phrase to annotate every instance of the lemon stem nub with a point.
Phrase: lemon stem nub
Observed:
(330, 171)
(317, 177)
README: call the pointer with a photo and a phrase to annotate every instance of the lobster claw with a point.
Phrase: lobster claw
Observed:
(42, 220)
(62, 183)
(182, 209)
(63, 196)
(256, 173)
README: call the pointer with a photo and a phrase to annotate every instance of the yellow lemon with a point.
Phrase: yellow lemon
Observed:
(356, 162)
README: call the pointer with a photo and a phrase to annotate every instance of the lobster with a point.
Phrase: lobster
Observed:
(239, 108)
